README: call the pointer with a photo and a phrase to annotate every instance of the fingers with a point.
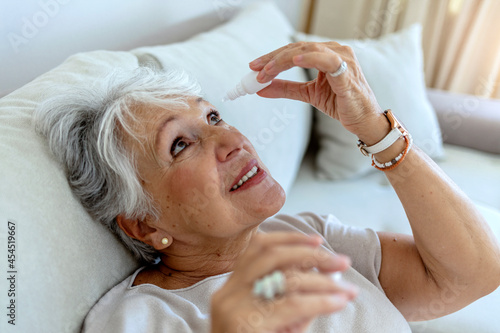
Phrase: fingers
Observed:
(287, 89)
(304, 294)
(314, 295)
(298, 257)
(307, 296)
(325, 57)
(313, 282)
(261, 241)
(260, 62)
(264, 243)
(326, 61)
(299, 308)
(285, 250)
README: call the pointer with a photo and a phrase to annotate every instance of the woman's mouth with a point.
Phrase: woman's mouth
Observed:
(246, 177)
(253, 176)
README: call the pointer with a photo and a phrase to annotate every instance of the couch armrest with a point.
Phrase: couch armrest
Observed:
(468, 120)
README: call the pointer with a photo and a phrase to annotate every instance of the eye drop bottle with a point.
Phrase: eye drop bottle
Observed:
(247, 85)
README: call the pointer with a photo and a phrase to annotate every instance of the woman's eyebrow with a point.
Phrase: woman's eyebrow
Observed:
(162, 127)
(164, 124)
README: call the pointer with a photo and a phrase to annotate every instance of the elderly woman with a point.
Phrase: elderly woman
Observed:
(188, 194)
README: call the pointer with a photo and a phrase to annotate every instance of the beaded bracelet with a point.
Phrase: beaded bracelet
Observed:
(397, 160)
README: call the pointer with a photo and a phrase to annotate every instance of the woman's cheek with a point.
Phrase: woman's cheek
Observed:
(192, 193)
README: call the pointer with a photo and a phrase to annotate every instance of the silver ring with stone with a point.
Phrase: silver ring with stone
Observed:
(270, 286)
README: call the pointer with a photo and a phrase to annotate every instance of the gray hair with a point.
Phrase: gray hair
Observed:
(86, 127)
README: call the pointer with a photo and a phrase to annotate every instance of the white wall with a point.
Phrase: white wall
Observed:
(37, 35)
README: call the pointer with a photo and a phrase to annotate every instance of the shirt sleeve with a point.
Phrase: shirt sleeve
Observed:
(362, 245)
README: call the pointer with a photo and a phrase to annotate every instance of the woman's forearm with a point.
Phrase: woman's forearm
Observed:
(454, 241)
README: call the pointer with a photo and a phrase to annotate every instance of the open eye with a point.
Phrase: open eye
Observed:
(178, 146)
(214, 117)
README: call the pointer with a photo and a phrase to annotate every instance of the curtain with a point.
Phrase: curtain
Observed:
(461, 38)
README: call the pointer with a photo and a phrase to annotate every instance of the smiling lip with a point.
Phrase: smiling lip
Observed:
(259, 176)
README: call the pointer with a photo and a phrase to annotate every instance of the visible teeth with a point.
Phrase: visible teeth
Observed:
(246, 177)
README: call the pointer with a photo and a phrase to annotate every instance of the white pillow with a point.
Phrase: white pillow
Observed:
(393, 66)
(218, 59)
(64, 259)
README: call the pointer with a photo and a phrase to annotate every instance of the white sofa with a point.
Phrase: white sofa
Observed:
(65, 261)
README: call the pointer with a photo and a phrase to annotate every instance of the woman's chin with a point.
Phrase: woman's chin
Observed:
(270, 202)
(260, 201)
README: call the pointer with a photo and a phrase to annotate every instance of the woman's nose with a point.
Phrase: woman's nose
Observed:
(228, 143)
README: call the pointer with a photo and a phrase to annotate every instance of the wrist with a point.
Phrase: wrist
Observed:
(384, 151)
(389, 153)
(374, 130)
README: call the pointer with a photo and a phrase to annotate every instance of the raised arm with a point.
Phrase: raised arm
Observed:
(453, 257)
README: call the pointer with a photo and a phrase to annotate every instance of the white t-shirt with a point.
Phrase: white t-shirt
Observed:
(149, 308)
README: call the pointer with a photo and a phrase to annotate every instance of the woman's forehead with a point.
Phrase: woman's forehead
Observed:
(149, 120)
(149, 117)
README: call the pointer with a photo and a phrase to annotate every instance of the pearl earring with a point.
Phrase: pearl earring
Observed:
(164, 241)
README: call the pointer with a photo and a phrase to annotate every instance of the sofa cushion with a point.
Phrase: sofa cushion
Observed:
(393, 66)
(468, 120)
(64, 259)
(218, 59)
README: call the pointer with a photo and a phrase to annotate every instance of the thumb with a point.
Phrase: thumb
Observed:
(286, 89)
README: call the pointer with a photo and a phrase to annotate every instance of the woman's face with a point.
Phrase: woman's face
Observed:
(207, 178)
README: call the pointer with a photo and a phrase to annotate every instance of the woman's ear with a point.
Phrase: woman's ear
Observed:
(144, 232)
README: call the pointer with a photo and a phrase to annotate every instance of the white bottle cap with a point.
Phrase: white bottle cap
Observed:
(247, 85)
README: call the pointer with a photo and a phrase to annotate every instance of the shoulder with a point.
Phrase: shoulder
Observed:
(306, 222)
(124, 307)
(328, 226)
(362, 245)
(148, 308)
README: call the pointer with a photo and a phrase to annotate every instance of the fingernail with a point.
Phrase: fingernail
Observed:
(269, 65)
(298, 58)
(262, 74)
(317, 238)
(347, 286)
(338, 300)
(346, 258)
(256, 62)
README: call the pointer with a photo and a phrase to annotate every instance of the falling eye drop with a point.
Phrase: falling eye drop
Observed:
(247, 85)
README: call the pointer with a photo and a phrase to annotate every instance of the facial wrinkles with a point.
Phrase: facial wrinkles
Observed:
(199, 134)
(191, 189)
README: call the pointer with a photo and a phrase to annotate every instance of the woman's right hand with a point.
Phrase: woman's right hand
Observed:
(308, 293)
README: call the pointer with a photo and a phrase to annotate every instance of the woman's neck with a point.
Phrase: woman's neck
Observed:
(184, 266)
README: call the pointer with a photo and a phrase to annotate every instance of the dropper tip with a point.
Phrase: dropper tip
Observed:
(226, 98)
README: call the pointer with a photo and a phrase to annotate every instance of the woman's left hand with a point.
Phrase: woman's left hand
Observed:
(347, 97)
